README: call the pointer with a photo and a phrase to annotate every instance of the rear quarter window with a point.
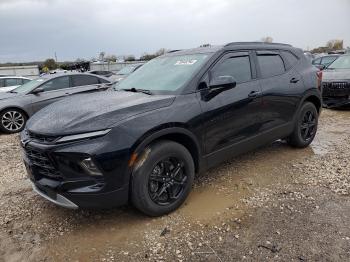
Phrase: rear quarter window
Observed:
(84, 80)
(270, 65)
(290, 58)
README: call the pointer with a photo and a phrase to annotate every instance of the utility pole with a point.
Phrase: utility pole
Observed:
(55, 57)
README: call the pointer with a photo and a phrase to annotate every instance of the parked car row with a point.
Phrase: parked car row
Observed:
(8, 83)
(324, 61)
(176, 116)
(120, 75)
(17, 105)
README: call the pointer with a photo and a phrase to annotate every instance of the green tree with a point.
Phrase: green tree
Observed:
(111, 58)
(50, 64)
(129, 58)
(335, 44)
(146, 57)
(267, 39)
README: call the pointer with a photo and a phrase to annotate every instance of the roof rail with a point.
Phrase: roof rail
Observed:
(255, 43)
(172, 51)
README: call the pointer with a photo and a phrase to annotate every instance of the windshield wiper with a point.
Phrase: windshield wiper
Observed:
(13, 92)
(138, 90)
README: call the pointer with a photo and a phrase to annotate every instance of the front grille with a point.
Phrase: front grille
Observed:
(43, 164)
(336, 89)
(336, 85)
(42, 138)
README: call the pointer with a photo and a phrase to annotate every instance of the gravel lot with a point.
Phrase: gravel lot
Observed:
(276, 203)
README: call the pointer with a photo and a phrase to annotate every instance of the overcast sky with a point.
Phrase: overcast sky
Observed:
(36, 29)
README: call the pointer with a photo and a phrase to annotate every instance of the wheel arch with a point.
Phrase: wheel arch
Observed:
(180, 135)
(312, 96)
(315, 100)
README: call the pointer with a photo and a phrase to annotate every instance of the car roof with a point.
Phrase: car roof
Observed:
(231, 46)
(51, 76)
(19, 77)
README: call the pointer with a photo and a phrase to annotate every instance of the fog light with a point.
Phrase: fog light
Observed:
(89, 166)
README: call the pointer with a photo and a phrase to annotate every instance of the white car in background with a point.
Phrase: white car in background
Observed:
(8, 83)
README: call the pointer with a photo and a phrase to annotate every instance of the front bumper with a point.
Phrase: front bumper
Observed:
(55, 175)
(56, 198)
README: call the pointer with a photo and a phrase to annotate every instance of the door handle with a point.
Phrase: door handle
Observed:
(67, 94)
(254, 94)
(294, 80)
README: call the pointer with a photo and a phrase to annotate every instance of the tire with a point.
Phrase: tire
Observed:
(12, 121)
(305, 127)
(150, 178)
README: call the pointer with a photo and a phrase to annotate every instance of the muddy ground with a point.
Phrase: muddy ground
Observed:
(276, 203)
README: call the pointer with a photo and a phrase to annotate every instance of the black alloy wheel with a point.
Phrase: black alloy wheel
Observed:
(167, 181)
(305, 126)
(308, 126)
(162, 178)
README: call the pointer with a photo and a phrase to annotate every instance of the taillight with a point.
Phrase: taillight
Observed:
(319, 79)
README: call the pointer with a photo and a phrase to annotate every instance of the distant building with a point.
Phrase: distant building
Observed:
(28, 71)
(111, 66)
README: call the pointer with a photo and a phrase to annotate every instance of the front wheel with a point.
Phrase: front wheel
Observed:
(305, 127)
(12, 121)
(162, 178)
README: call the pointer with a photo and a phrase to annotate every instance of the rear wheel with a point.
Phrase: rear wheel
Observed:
(162, 179)
(305, 127)
(12, 121)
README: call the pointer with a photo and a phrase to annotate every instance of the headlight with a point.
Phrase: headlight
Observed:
(83, 136)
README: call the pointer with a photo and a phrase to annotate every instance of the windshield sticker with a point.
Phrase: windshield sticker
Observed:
(186, 62)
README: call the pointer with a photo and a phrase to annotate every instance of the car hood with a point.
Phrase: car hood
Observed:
(336, 74)
(7, 95)
(93, 112)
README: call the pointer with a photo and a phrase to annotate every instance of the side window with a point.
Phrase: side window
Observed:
(2, 83)
(102, 81)
(11, 82)
(236, 66)
(57, 83)
(81, 80)
(328, 59)
(25, 81)
(270, 65)
(291, 59)
(316, 61)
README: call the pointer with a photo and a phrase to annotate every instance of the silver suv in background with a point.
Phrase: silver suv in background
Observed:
(8, 83)
(336, 83)
(18, 105)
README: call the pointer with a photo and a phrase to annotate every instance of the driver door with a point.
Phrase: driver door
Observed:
(233, 116)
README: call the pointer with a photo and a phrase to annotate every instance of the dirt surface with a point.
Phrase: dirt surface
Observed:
(276, 203)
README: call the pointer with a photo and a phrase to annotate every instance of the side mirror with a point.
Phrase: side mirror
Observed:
(222, 82)
(218, 85)
(38, 90)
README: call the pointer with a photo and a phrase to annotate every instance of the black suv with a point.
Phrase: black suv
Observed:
(175, 117)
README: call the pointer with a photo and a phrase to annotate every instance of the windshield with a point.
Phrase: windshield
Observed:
(343, 62)
(126, 70)
(29, 86)
(164, 74)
